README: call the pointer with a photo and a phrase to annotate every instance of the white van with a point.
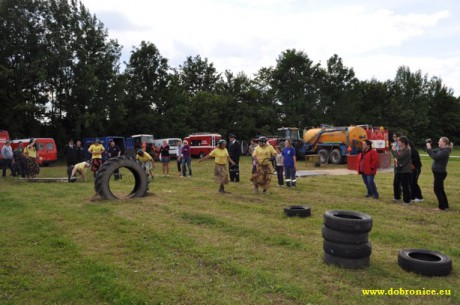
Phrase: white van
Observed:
(172, 142)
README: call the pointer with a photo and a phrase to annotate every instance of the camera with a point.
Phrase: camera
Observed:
(428, 141)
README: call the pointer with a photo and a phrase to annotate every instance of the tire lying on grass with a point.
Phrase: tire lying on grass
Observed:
(425, 262)
(102, 180)
(345, 238)
(349, 263)
(347, 221)
(297, 210)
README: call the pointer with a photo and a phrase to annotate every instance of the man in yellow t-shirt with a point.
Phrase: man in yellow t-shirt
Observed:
(96, 151)
(221, 157)
(146, 161)
(262, 154)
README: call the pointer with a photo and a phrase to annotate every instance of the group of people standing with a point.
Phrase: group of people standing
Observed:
(263, 156)
(22, 161)
(407, 169)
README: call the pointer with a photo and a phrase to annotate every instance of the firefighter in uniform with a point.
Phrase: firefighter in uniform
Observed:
(234, 150)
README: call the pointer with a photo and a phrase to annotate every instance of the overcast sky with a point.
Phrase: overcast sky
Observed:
(372, 37)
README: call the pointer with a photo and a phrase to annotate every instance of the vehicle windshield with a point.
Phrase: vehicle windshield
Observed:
(287, 133)
(147, 139)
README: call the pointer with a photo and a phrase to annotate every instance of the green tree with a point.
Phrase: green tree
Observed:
(339, 101)
(23, 59)
(147, 81)
(295, 83)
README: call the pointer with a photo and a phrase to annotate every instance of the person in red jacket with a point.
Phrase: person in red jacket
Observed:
(368, 161)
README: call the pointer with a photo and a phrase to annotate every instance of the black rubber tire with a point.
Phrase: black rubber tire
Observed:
(102, 179)
(345, 238)
(425, 262)
(347, 251)
(349, 263)
(323, 156)
(347, 221)
(335, 157)
(297, 210)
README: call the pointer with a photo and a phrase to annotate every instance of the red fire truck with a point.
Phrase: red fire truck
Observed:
(202, 144)
(378, 136)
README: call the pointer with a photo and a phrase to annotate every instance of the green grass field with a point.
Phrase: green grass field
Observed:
(187, 244)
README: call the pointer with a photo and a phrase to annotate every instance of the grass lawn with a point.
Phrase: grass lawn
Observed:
(187, 244)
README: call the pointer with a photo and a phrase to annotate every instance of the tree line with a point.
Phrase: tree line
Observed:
(61, 77)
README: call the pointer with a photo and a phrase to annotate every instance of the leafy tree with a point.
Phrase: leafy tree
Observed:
(147, 81)
(443, 112)
(22, 67)
(197, 75)
(294, 81)
(339, 102)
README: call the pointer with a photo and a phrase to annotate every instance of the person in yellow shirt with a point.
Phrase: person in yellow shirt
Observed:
(31, 152)
(96, 149)
(79, 168)
(263, 175)
(146, 161)
(221, 157)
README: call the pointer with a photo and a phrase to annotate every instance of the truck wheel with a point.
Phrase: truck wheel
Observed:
(105, 172)
(323, 156)
(336, 156)
(347, 221)
(425, 262)
(202, 155)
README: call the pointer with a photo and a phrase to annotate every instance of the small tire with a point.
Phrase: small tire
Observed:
(297, 210)
(347, 251)
(349, 263)
(347, 221)
(102, 179)
(202, 155)
(344, 238)
(425, 262)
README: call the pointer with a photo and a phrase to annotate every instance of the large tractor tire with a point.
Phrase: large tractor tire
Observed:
(336, 156)
(105, 172)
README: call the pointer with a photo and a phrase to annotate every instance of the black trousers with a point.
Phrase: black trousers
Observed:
(415, 190)
(439, 190)
(402, 179)
(234, 172)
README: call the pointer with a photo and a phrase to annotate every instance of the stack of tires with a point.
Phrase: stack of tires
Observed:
(346, 239)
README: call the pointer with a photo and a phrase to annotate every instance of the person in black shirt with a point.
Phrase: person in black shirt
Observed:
(69, 153)
(234, 150)
(416, 192)
(112, 152)
(79, 153)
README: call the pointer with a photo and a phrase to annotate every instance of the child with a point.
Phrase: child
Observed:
(279, 166)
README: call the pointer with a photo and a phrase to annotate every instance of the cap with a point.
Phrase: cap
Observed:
(140, 152)
(222, 142)
(231, 135)
(262, 139)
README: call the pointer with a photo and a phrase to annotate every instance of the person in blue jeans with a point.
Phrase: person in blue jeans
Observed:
(290, 164)
(186, 159)
(368, 162)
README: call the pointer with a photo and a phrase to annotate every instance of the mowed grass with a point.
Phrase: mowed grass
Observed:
(187, 244)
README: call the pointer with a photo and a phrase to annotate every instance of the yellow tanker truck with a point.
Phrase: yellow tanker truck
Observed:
(332, 144)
